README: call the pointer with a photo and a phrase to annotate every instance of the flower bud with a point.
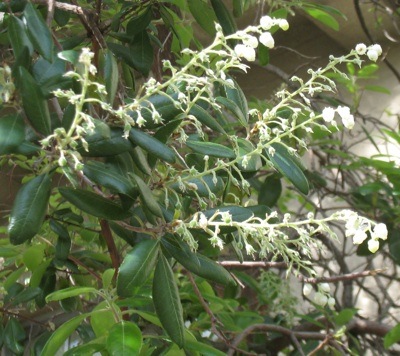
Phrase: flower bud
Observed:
(361, 49)
(373, 245)
(325, 287)
(307, 289)
(320, 299)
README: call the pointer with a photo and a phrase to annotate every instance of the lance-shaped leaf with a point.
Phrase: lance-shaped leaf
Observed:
(29, 209)
(196, 262)
(204, 15)
(136, 267)
(13, 336)
(104, 175)
(111, 76)
(224, 17)
(94, 204)
(288, 166)
(270, 190)
(234, 108)
(12, 133)
(39, 32)
(205, 118)
(18, 36)
(202, 186)
(152, 145)
(34, 103)
(68, 293)
(167, 303)
(124, 339)
(211, 149)
(237, 96)
(147, 197)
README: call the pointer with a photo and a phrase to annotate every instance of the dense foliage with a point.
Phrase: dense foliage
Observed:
(160, 210)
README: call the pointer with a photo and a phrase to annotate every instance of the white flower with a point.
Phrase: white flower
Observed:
(359, 237)
(267, 40)
(246, 52)
(377, 48)
(331, 302)
(283, 24)
(250, 41)
(361, 49)
(307, 289)
(266, 22)
(347, 117)
(325, 287)
(320, 299)
(203, 222)
(372, 55)
(373, 245)
(380, 232)
(206, 334)
(328, 114)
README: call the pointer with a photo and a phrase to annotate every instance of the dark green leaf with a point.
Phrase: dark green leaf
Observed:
(196, 263)
(29, 209)
(238, 7)
(18, 36)
(263, 54)
(233, 107)
(287, 165)
(147, 197)
(167, 303)
(270, 190)
(202, 348)
(101, 174)
(204, 186)
(224, 17)
(14, 334)
(139, 23)
(211, 149)
(58, 338)
(237, 96)
(39, 32)
(61, 16)
(204, 15)
(205, 118)
(26, 295)
(111, 76)
(12, 133)
(151, 145)
(94, 204)
(34, 103)
(136, 267)
(124, 339)
(50, 76)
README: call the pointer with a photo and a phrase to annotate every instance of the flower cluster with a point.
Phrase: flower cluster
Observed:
(357, 227)
(246, 49)
(373, 51)
(328, 115)
(322, 296)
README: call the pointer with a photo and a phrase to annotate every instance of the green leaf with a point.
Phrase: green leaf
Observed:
(147, 197)
(368, 70)
(392, 337)
(39, 32)
(234, 108)
(29, 209)
(237, 96)
(287, 165)
(253, 161)
(105, 176)
(204, 186)
(238, 7)
(270, 190)
(263, 54)
(203, 15)
(377, 89)
(205, 118)
(68, 293)
(111, 76)
(26, 295)
(139, 23)
(197, 263)
(224, 17)
(345, 315)
(34, 103)
(152, 145)
(137, 267)
(104, 318)
(18, 36)
(12, 133)
(58, 338)
(211, 149)
(167, 303)
(91, 348)
(124, 339)
(14, 334)
(323, 17)
(94, 204)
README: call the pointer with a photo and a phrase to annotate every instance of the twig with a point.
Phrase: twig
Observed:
(255, 264)
(50, 12)
(112, 249)
(80, 263)
(344, 277)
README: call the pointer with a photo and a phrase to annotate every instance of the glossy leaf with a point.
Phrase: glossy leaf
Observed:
(152, 145)
(58, 338)
(34, 103)
(14, 334)
(287, 165)
(270, 190)
(205, 118)
(147, 197)
(12, 133)
(68, 293)
(392, 337)
(167, 303)
(139, 23)
(39, 32)
(137, 267)
(224, 17)
(197, 263)
(94, 204)
(104, 318)
(26, 295)
(101, 174)
(204, 186)
(211, 149)
(124, 339)
(234, 108)
(236, 95)
(29, 209)
(91, 348)
(18, 36)
(111, 76)
(323, 17)
(204, 15)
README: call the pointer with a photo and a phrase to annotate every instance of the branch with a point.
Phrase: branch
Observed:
(112, 249)
(61, 6)
(255, 264)
(344, 277)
